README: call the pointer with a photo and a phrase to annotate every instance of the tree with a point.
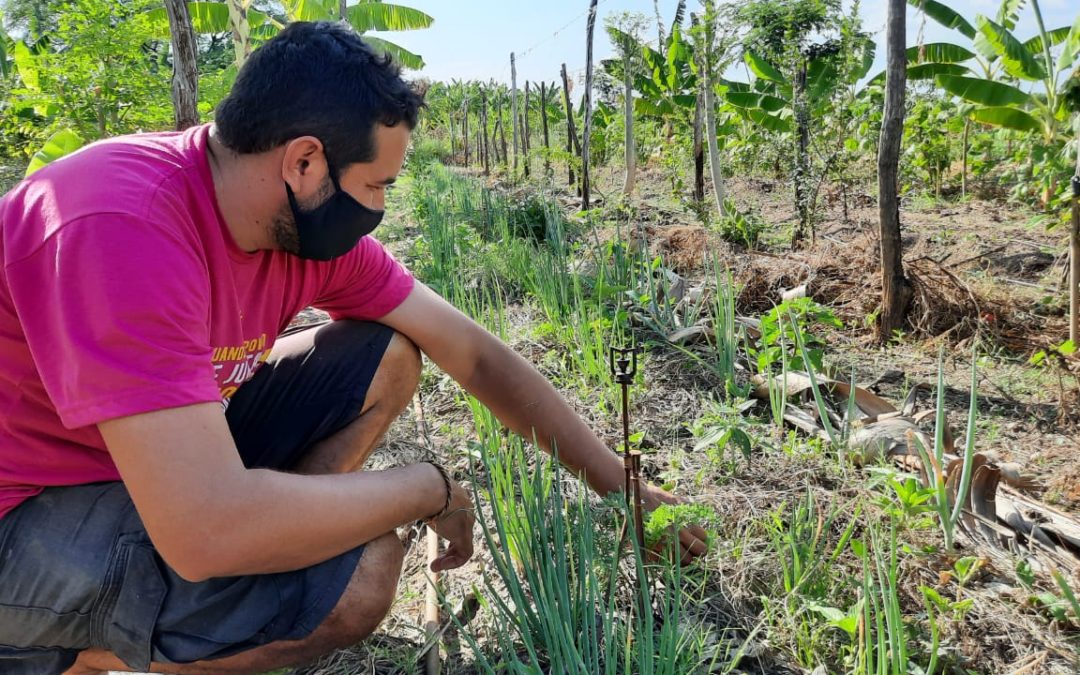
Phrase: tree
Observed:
(799, 50)
(1043, 113)
(185, 77)
(625, 33)
(895, 291)
(990, 77)
(590, 27)
(242, 22)
(706, 63)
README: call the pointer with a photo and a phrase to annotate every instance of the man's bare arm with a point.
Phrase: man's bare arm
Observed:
(517, 393)
(520, 397)
(209, 516)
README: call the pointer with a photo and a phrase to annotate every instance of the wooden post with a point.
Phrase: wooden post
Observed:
(544, 122)
(185, 76)
(587, 132)
(571, 137)
(895, 293)
(513, 110)
(525, 130)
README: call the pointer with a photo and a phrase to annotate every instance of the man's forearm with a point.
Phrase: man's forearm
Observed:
(274, 522)
(529, 405)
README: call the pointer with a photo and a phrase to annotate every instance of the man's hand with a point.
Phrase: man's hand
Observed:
(692, 539)
(456, 526)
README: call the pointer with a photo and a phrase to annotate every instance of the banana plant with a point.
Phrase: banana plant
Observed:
(782, 103)
(364, 16)
(1010, 83)
(6, 45)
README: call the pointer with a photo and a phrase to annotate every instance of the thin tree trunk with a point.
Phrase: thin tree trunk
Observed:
(802, 159)
(659, 26)
(513, 110)
(710, 113)
(502, 135)
(185, 77)
(699, 151)
(465, 131)
(571, 136)
(628, 122)
(1074, 246)
(587, 131)
(964, 163)
(544, 123)
(483, 132)
(895, 292)
(240, 29)
(525, 131)
(453, 140)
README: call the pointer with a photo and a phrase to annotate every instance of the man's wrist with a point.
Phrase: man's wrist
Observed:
(446, 491)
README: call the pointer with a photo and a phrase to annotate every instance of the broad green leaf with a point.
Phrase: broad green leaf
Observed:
(685, 100)
(652, 108)
(831, 614)
(929, 71)
(1057, 36)
(1009, 118)
(206, 17)
(1018, 61)
(311, 10)
(820, 79)
(382, 16)
(26, 64)
(4, 69)
(63, 142)
(983, 92)
(1009, 12)
(938, 52)
(1072, 47)
(749, 100)
(763, 69)
(731, 85)
(765, 120)
(944, 15)
(868, 54)
(403, 56)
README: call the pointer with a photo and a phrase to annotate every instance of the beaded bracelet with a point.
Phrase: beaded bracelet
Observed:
(449, 489)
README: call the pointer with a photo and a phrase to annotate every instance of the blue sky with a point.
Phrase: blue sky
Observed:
(473, 39)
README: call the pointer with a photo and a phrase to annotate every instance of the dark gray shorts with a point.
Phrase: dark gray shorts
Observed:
(78, 571)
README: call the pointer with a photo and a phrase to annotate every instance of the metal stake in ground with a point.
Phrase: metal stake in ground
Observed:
(623, 361)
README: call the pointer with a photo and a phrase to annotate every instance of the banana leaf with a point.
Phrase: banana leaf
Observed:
(1017, 60)
(983, 92)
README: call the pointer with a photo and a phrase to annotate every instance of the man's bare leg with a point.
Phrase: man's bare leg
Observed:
(391, 389)
(366, 601)
(370, 593)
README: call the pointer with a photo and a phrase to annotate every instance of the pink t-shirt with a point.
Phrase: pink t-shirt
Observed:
(123, 292)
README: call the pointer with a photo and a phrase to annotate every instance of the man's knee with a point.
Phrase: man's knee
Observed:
(397, 377)
(403, 358)
(370, 593)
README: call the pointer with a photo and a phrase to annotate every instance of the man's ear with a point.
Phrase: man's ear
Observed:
(303, 164)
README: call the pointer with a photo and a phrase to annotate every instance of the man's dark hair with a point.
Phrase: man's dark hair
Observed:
(316, 79)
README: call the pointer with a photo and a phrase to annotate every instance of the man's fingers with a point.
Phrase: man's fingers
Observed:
(693, 540)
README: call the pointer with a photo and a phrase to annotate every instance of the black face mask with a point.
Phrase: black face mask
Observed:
(332, 228)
